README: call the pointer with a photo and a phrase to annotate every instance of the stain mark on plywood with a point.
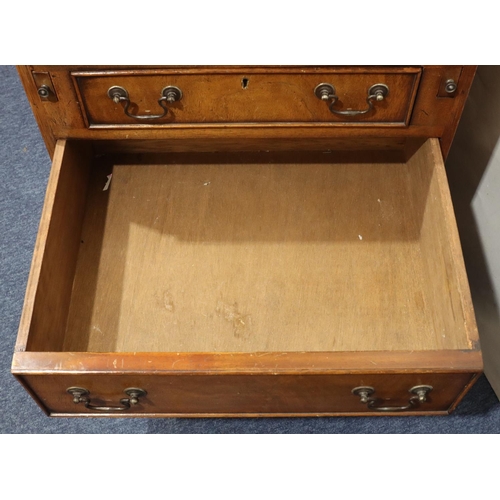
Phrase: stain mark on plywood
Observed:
(240, 322)
(165, 300)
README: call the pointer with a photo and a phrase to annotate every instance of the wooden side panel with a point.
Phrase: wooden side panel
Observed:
(48, 294)
(440, 245)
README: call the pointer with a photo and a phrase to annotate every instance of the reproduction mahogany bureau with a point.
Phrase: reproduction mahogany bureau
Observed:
(247, 241)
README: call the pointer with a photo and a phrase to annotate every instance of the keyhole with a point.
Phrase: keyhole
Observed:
(244, 83)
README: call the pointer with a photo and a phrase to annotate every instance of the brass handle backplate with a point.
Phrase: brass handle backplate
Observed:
(81, 395)
(168, 95)
(419, 396)
(327, 92)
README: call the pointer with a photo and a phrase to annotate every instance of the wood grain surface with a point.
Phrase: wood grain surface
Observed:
(246, 97)
(48, 294)
(432, 116)
(255, 363)
(240, 395)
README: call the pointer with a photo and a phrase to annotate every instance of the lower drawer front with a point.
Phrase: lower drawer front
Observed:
(245, 395)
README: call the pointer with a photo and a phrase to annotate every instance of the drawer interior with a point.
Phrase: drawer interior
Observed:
(246, 253)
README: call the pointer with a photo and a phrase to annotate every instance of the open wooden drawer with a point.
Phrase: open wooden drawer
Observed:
(246, 284)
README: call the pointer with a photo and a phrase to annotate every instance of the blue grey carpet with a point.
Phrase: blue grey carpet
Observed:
(24, 169)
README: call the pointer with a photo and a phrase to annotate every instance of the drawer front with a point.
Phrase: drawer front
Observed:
(245, 395)
(246, 97)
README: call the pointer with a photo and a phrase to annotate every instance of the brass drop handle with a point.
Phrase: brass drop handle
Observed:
(326, 92)
(419, 396)
(168, 95)
(81, 395)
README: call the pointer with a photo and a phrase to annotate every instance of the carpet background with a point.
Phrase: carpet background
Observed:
(24, 170)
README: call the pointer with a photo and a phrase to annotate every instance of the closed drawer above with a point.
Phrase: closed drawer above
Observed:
(157, 98)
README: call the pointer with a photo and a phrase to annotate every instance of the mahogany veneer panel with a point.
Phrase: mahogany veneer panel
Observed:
(213, 97)
(431, 114)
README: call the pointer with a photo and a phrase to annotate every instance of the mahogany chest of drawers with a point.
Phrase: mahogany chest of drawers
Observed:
(247, 241)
